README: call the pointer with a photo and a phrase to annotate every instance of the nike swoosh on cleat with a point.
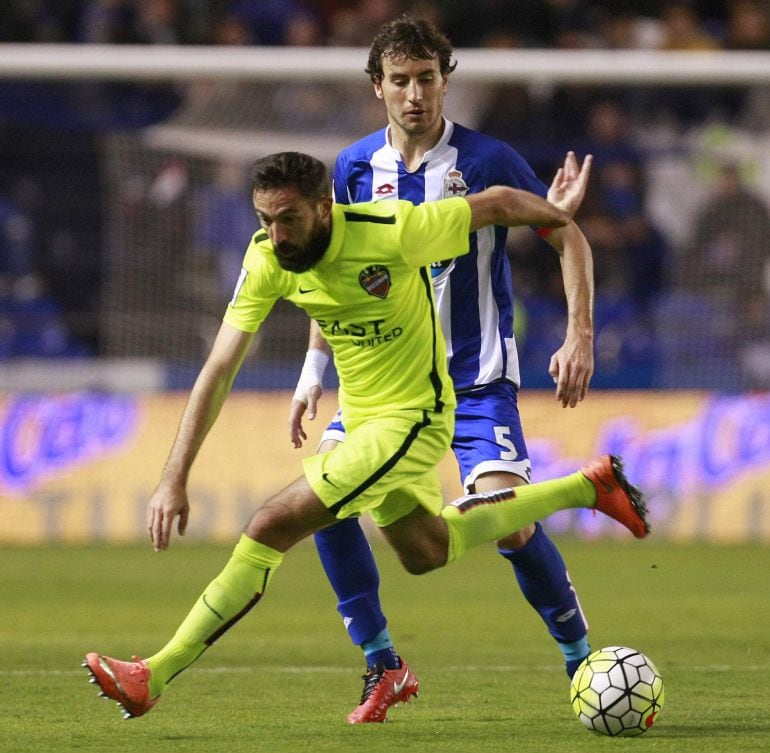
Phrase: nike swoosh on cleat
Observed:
(108, 671)
(309, 290)
(399, 686)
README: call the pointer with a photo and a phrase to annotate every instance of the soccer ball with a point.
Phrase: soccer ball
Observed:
(617, 691)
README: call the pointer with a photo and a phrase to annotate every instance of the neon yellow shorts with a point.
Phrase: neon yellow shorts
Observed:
(386, 465)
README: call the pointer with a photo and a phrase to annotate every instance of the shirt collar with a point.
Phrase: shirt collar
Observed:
(440, 144)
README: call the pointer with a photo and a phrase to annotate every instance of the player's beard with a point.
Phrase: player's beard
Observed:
(298, 259)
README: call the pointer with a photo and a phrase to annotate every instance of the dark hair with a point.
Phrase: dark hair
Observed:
(307, 174)
(408, 37)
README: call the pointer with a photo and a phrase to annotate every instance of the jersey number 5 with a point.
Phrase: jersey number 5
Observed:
(502, 436)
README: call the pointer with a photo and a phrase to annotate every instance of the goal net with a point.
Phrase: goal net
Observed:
(677, 216)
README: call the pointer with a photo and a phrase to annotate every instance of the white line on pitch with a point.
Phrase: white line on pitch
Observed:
(306, 670)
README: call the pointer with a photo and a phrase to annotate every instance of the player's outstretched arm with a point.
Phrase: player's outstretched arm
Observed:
(213, 385)
(310, 385)
(572, 365)
(501, 205)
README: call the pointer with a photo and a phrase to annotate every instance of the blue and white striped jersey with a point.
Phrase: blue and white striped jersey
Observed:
(474, 293)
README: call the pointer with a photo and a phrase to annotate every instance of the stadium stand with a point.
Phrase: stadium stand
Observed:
(57, 229)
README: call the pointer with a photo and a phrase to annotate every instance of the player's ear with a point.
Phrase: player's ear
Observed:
(378, 89)
(325, 206)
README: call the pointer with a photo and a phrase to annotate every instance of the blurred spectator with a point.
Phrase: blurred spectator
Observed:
(223, 220)
(713, 322)
(18, 252)
(133, 22)
(623, 30)
(683, 29)
(748, 25)
(38, 21)
(621, 191)
(32, 322)
(609, 135)
(748, 28)
(354, 24)
(731, 243)
(271, 22)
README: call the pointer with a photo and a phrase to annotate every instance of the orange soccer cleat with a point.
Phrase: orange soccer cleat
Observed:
(123, 681)
(615, 496)
(384, 688)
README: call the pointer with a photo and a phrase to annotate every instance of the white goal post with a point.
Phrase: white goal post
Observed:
(161, 62)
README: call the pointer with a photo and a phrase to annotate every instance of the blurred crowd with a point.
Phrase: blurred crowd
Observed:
(562, 24)
(676, 289)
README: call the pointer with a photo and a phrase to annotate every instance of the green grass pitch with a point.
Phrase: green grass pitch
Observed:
(284, 678)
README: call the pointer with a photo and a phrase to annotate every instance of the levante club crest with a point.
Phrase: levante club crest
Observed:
(375, 280)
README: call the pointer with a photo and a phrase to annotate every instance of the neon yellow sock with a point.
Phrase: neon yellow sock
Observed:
(479, 518)
(226, 599)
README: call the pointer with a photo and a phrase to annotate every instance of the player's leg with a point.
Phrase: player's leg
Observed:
(425, 542)
(543, 578)
(349, 565)
(492, 454)
(405, 473)
(348, 560)
(288, 517)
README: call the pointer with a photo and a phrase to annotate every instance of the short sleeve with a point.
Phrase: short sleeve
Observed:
(435, 231)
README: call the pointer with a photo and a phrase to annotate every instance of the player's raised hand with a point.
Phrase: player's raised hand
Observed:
(167, 502)
(569, 184)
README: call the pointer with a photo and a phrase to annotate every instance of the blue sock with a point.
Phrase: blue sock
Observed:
(543, 578)
(380, 650)
(350, 567)
(574, 653)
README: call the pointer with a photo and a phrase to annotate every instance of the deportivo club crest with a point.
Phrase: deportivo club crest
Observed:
(454, 185)
(375, 280)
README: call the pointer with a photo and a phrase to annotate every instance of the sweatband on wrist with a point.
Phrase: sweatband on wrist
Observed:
(312, 373)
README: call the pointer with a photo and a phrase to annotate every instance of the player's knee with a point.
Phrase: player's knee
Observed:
(423, 561)
(517, 539)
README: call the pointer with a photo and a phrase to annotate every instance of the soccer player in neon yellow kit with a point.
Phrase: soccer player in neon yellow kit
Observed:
(422, 156)
(359, 271)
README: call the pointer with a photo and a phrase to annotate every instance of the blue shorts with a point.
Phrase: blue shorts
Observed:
(488, 435)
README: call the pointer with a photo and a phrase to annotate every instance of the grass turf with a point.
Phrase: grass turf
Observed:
(284, 678)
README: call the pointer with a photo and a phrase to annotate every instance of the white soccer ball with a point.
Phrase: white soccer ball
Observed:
(617, 691)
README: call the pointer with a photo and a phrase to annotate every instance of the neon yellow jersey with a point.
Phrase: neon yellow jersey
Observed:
(373, 299)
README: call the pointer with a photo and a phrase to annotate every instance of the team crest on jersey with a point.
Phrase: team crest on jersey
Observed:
(454, 185)
(386, 189)
(375, 280)
(440, 268)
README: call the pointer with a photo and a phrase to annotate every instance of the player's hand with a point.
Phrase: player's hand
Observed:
(167, 502)
(571, 368)
(569, 184)
(299, 408)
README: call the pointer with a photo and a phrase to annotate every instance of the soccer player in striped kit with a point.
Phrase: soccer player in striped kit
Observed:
(422, 156)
